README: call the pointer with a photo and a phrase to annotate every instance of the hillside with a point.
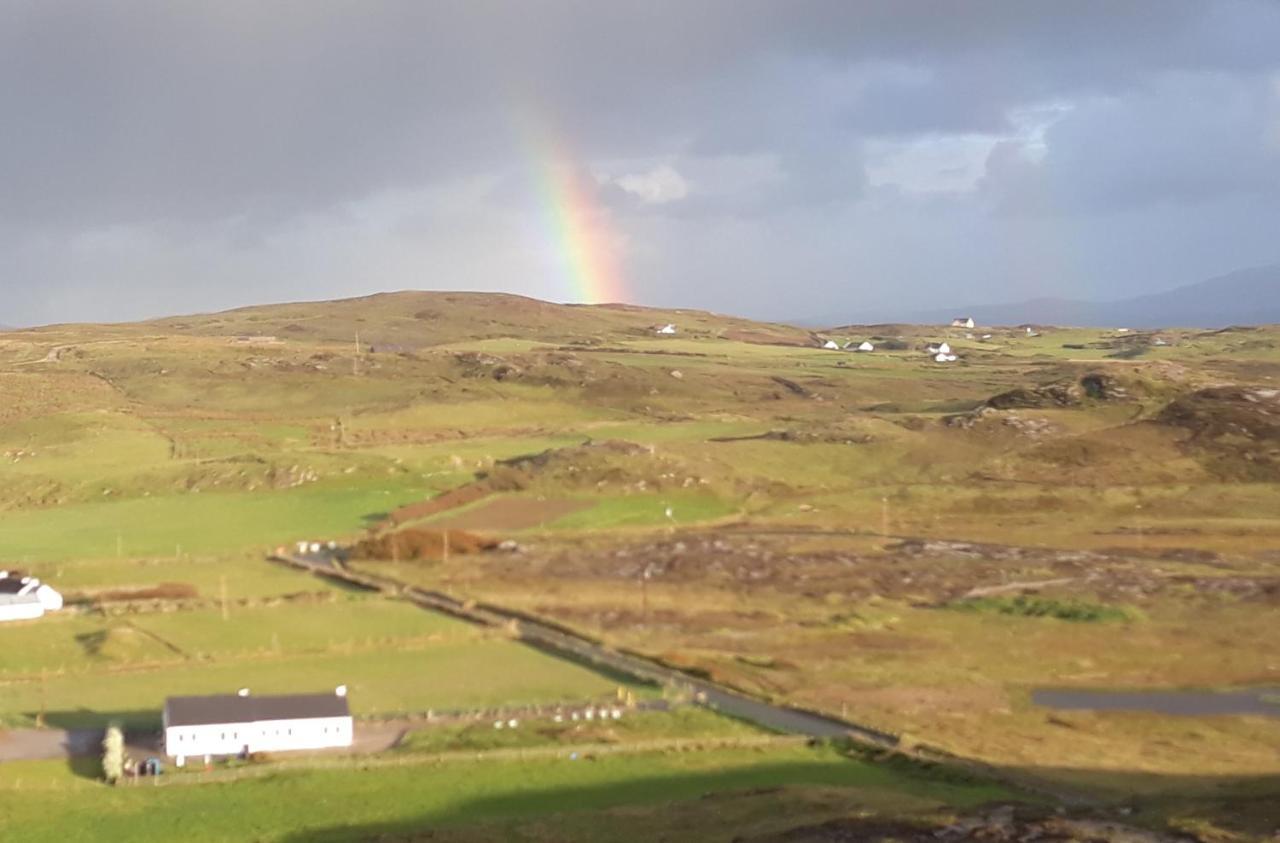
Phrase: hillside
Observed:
(416, 319)
(1245, 297)
(913, 545)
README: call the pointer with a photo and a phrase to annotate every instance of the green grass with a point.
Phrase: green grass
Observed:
(69, 642)
(48, 802)
(382, 680)
(246, 577)
(685, 722)
(1031, 606)
(201, 523)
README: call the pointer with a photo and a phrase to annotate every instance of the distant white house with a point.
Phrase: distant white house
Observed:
(940, 348)
(25, 598)
(667, 329)
(962, 322)
(831, 344)
(236, 724)
(865, 345)
(945, 358)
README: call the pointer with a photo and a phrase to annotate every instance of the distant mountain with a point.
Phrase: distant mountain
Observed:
(1246, 297)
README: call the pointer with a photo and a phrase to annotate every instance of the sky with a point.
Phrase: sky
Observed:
(783, 160)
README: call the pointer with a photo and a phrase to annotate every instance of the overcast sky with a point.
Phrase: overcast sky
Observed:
(776, 159)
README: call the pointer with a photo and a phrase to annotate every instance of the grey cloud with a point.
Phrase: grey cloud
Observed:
(1180, 140)
(253, 150)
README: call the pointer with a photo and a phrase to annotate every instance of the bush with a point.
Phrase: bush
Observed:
(1033, 606)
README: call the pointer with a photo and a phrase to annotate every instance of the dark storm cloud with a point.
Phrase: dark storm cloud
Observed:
(212, 152)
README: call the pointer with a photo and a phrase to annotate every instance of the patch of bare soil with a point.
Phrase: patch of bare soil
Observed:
(512, 514)
(443, 502)
(416, 544)
(161, 591)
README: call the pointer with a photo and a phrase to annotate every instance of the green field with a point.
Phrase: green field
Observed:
(395, 659)
(490, 800)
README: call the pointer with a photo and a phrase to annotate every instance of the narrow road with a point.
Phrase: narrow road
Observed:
(568, 644)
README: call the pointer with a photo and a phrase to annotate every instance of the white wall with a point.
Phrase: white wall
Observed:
(22, 611)
(261, 736)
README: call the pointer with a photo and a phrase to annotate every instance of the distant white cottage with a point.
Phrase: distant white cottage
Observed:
(940, 348)
(945, 358)
(831, 344)
(667, 329)
(962, 322)
(25, 598)
(865, 345)
(239, 724)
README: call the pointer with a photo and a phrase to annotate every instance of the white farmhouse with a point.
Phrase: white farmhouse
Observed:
(25, 598)
(832, 345)
(941, 348)
(962, 322)
(865, 345)
(236, 724)
(667, 329)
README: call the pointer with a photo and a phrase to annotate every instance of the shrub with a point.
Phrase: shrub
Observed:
(1034, 606)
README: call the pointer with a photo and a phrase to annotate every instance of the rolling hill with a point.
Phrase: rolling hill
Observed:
(420, 319)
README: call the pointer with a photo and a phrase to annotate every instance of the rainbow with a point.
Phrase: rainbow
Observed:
(586, 243)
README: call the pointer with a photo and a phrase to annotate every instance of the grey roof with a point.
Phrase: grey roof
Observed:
(11, 584)
(232, 708)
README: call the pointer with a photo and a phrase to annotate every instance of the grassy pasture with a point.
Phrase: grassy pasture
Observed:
(415, 676)
(204, 524)
(460, 800)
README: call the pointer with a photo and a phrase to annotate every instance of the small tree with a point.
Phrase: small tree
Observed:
(113, 754)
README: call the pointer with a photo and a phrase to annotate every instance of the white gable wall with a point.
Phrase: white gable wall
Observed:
(21, 610)
(258, 736)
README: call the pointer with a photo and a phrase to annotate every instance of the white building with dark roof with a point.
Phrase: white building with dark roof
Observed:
(25, 598)
(239, 724)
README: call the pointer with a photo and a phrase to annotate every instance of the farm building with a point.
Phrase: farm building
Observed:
(854, 345)
(831, 344)
(25, 598)
(236, 724)
(667, 329)
(941, 348)
(962, 322)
